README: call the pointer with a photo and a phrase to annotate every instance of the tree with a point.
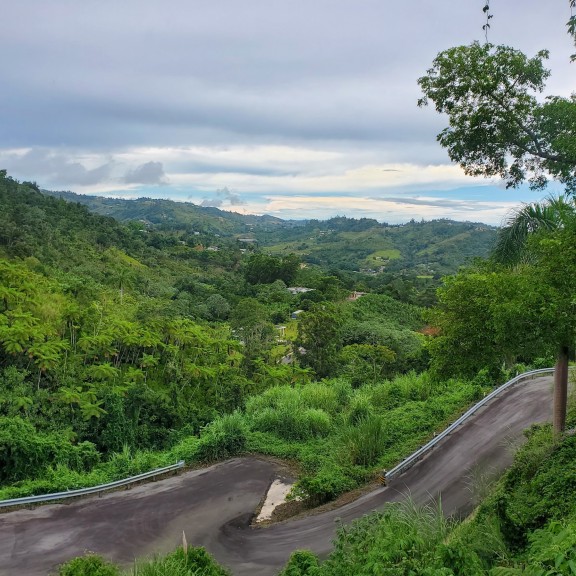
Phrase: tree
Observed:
(544, 233)
(218, 307)
(263, 269)
(319, 335)
(249, 320)
(490, 319)
(497, 125)
(366, 362)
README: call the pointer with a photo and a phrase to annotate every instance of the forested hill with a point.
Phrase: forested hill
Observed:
(171, 214)
(427, 249)
(421, 249)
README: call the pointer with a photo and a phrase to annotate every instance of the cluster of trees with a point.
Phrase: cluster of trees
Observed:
(100, 357)
(120, 337)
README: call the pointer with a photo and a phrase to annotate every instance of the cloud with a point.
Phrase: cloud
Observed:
(391, 210)
(147, 173)
(465, 205)
(223, 196)
(50, 167)
(266, 98)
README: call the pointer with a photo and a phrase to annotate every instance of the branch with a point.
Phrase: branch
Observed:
(531, 134)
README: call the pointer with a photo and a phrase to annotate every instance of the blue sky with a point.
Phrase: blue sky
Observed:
(300, 108)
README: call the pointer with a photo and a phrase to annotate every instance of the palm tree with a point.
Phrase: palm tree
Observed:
(514, 247)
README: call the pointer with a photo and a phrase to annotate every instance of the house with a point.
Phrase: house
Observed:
(298, 290)
(355, 295)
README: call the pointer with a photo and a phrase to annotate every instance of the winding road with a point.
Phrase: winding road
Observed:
(214, 506)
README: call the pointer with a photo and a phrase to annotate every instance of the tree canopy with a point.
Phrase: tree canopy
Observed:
(498, 125)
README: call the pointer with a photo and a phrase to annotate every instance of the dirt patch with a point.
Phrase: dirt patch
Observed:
(294, 509)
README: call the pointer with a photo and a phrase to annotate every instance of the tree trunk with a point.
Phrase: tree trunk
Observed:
(560, 391)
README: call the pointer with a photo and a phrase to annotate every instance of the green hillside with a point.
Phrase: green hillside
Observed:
(406, 261)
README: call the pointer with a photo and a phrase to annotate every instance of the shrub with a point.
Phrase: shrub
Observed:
(301, 563)
(189, 562)
(328, 483)
(186, 449)
(537, 488)
(88, 565)
(223, 438)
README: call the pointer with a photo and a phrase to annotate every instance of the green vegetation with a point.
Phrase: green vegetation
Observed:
(126, 347)
(184, 561)
(527, 525)
(405, 261)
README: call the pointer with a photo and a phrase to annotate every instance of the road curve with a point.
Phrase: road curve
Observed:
(214, 505)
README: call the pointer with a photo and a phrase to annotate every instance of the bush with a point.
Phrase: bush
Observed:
(539, 487)
(189, 562)
(301, 563)
(186, 449)
(26, 452)
(223, 438)
(326, 484)
(88, 565)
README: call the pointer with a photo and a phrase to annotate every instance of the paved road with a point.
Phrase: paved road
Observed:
(214, 505)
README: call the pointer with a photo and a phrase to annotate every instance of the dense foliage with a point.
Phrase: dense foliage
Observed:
(125, 347)
(405, 261)
(527, 525)
(128, 346)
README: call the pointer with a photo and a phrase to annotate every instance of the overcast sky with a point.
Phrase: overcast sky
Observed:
(295, 108)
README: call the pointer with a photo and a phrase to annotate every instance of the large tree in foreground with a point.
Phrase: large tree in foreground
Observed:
(498, 126)
(545, 234)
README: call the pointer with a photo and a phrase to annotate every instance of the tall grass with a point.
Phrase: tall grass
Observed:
(224, 437)
(291, 422)
(182, 562)
(403, 539)
(363, 443)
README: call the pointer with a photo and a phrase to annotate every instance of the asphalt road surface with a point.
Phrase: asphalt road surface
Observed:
(214, 506)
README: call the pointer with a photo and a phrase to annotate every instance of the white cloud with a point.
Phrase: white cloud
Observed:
(261, 98)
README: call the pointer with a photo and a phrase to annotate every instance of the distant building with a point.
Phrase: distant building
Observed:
(296, 314)
(355, 295)
(298, 290)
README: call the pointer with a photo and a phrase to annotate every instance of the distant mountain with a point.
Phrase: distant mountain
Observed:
(429, 248)
(425, 249)
(173, 215)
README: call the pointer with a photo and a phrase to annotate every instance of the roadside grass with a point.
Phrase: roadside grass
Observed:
(339, 437)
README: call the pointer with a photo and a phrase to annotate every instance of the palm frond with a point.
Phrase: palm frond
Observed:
(512, 244)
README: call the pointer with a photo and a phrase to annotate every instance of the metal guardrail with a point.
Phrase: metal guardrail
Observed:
(91, 490)
(413, 458)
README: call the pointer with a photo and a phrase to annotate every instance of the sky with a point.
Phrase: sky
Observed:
(294, 108)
